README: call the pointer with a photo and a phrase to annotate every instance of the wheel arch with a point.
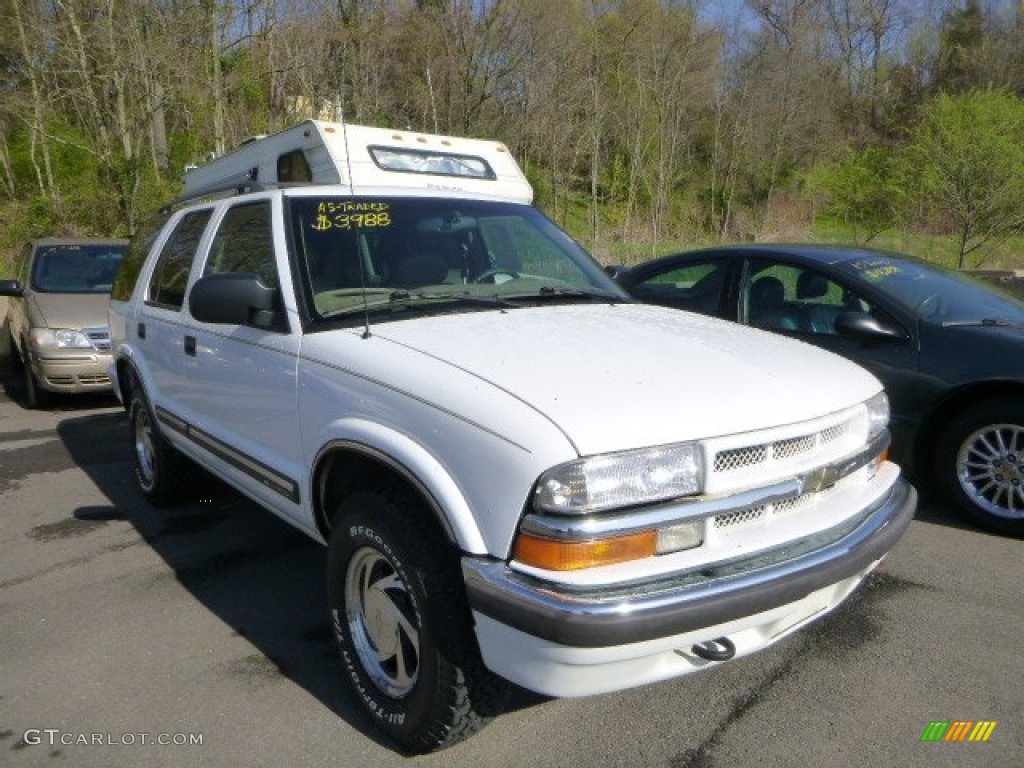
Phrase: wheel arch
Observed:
(345, 466)
(128, 380)
(936, 420)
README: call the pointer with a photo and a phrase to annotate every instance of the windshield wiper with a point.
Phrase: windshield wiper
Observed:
(987, 322)
(402, 296)
(579, 293)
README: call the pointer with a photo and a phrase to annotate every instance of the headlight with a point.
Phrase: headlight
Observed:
(599, 483)
(878, 414)
(61, 338)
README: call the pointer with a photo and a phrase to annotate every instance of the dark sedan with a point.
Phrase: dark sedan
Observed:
(949, 350)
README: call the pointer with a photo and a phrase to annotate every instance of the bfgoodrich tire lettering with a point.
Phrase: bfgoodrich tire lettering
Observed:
(403, 626)
(980, 464)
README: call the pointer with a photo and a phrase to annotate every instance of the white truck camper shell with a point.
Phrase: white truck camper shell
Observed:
(318, 152)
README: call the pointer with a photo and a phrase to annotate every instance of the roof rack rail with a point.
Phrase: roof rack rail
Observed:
(216, 193)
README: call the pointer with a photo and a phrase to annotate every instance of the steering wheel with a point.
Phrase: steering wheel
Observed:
(489, 275)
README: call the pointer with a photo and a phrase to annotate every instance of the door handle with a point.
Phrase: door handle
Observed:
(190, 346)
(140, 330)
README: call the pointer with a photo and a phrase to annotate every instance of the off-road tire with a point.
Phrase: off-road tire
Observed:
(403, 625)
(162, 474)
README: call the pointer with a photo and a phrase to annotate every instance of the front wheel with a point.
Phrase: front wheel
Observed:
(403, 626)
(35, 395)
(980, 464)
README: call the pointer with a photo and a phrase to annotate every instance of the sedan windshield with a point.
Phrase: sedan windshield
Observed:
(388, 254)
(938, 295)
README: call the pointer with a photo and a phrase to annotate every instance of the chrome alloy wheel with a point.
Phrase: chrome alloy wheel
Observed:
(144, 451)
(990, 468)
(383, 625)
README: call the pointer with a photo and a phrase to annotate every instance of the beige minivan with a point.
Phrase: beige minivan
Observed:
(57, 314)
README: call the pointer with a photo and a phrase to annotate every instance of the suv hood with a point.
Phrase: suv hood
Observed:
(70, 310)
(614, 377)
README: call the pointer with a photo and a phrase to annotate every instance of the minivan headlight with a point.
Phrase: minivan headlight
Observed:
(609, 481)
(61, 338)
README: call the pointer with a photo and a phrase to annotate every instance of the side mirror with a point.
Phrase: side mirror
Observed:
(867, 326)
(615, 271)
(11, 288)
(234, 298)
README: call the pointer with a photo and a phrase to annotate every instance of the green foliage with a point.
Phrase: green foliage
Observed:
(866, 191)
(966, 158)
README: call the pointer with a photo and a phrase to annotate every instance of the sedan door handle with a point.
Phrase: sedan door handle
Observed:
(190, 346)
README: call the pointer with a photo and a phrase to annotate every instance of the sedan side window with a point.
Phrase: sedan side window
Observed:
(695, 286)
(795, 298)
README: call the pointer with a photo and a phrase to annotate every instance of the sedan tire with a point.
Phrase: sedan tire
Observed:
(980, 464)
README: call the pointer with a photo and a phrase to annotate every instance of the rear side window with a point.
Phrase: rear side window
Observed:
(135, 257)
(170, 276)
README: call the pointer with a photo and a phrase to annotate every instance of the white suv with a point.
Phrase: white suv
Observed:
(520, 474)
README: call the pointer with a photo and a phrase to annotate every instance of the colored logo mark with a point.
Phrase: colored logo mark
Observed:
(958, 730)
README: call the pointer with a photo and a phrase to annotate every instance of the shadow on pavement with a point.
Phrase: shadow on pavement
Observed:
(258, 575)
(262, 578)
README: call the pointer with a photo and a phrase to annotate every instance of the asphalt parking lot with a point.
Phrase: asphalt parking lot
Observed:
(198, 636)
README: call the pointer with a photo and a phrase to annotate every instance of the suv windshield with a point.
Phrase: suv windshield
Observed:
(366, 253)
(76, 268)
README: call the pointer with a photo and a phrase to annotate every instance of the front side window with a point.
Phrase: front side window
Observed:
(170, 275)
(244, 243)
(70, 268)
(791, 297)
(372, 254)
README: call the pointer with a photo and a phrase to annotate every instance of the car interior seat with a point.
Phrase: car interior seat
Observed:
(817, 317)
(421, 269)
(767, 307)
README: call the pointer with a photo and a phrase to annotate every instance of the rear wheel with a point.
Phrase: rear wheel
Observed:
(160, 471)
(403, 626)
(980, 464)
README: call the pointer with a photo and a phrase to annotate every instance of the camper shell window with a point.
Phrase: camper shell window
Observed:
(434, 163)
(292, 166)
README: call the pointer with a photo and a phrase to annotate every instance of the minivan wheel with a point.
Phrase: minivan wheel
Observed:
(403, 626)
(980, 464)
(159, 468)
(35, 395)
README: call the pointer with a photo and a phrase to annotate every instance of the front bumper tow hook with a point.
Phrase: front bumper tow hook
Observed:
(720, 649)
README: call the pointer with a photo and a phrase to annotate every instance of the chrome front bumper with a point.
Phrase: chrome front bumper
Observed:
(685, 602)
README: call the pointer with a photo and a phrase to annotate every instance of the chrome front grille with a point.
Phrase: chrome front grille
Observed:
(787, 448)
(98, 337)
(766, 511)
(726, 461)
(740, 462)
